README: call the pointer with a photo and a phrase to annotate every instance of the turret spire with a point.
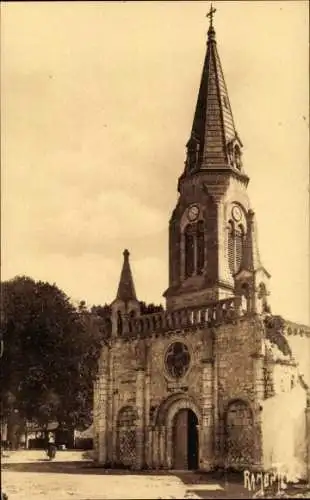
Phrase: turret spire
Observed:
(126, 288)
(214, 142)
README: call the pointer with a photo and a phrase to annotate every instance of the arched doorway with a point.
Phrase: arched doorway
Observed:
(185, 440)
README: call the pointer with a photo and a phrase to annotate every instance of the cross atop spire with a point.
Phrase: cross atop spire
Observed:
(210, 14)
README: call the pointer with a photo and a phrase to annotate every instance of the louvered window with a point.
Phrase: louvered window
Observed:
(231, 246)
(189, 251)
(235, 247)
(239, 247)
(200, 247)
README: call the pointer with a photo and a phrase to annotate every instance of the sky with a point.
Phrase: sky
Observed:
(97, 106)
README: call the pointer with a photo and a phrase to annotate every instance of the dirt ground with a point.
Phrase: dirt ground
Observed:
(27, 475)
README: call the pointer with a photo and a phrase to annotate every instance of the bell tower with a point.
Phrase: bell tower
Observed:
(213, 250)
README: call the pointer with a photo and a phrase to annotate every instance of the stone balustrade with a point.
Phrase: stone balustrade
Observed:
(164, 321)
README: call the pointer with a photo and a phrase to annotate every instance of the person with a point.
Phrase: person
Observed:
(51, 446)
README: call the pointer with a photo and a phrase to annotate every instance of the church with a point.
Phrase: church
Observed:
(214, 380)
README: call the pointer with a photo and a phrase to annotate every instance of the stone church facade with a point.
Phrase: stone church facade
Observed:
(185, 388)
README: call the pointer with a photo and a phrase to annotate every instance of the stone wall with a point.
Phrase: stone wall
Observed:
(239, 372)
(229, 378)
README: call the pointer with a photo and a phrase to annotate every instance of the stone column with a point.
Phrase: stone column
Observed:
(149, 447)
(221, 261)
(162, 439)
(147, 434)
(95, 418)
(169, 447)
(110, 408)
(140, 432)
(155, 440)
(182, 257)
(102, 417)
(259, 389)
(206, 448)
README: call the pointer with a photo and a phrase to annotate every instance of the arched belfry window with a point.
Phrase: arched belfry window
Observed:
(194, 248)
(189, 250)
(119, 323)
(200, 247)
(236, 235)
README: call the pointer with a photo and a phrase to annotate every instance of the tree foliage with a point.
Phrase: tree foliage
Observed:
(103, 313)
(50, 354)
(149, 308)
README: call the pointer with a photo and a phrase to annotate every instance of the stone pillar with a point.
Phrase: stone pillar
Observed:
(110, 409)
(140, 432)
(259, 383)
(217, 423)
(259, 389)
(221, 260)
(206, 434)
(162, 439)
(147, 434)
(95, 419)
(102, 417)
(169, 448)
(149, 447)
(182, 257)
(155, 440)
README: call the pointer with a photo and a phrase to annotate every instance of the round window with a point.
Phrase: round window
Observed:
(177, 359)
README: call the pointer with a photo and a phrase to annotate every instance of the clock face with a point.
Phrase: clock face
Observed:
(193, 212)
(236, 213)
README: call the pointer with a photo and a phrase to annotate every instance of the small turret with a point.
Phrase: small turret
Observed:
(252, 279)
(126, 305)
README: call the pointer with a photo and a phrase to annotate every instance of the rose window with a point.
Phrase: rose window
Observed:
(177, 359)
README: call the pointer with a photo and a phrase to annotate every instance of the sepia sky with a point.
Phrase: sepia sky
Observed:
(97, 106)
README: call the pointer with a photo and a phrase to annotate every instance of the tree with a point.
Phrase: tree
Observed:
(103, 315)
(50, 354)
(150, 308)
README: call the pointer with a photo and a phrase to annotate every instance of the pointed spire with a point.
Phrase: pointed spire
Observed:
(214, 142)
(126, 288)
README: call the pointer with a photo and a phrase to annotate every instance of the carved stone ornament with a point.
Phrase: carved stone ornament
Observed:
(177, 360)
